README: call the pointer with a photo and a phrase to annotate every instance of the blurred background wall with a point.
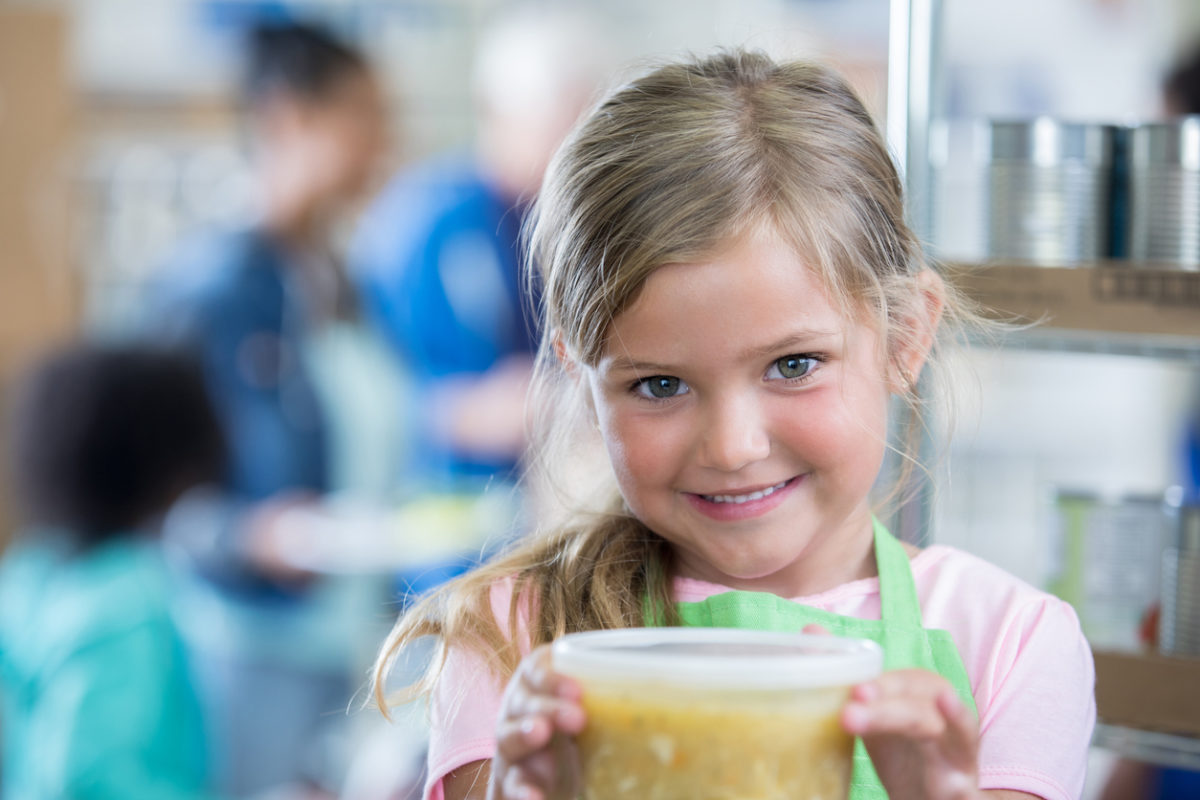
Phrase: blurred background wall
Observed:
(155, 150)
(118, 136)
(157, 153)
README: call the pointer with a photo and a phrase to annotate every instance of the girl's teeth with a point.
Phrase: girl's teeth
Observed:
(743, 498)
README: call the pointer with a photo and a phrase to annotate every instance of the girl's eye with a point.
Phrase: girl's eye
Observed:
(791, 367)
(661, 387)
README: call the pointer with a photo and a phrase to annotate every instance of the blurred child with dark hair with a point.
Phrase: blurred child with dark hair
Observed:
(97, 702)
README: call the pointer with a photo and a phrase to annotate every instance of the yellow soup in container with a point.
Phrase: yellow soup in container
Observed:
(714, 713)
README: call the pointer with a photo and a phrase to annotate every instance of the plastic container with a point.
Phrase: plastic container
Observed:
(714, 713)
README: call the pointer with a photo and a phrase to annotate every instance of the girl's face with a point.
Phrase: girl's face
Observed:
(746, 419)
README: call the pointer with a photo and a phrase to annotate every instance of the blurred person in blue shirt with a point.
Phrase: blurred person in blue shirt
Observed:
(438, 255)
(97, 697)
(249, 300)
(258, 306)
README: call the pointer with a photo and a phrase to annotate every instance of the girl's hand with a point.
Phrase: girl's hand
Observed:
(922, 739)
(535, 758)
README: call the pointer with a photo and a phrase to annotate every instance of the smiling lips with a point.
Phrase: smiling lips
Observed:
(729, 507)
(743, 498)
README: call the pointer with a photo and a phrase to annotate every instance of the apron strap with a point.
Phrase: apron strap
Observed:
(897, 590)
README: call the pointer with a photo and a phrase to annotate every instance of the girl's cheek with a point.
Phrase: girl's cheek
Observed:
(624, 442)
(666, 460)
(638, 447)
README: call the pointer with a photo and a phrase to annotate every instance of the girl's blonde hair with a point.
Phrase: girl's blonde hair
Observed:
(665, 170)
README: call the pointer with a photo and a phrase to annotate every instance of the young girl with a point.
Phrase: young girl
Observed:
(732, 298)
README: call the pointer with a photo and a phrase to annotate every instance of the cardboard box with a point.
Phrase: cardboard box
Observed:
(1106, 298)
(1148, 691)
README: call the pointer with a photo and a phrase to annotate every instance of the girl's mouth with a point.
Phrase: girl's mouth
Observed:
(744, 505)
(744, 498)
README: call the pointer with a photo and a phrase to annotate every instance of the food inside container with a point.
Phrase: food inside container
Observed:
(713, 713)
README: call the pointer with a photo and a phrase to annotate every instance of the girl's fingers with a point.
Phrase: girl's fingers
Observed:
(517, 739)
(539, 771)
(813, 627)
(898, 716)
(563, 715)
(538, 675)
(531, 762)
(920, 735)
(516, 787)
(961, 724)
(538, 704)
(920, 682)
(913, 703)
(537, 690)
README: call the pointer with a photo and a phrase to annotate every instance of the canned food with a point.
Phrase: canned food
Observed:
(1164, 193)
(1179, 627)
(1106, 562)
(1049, 186)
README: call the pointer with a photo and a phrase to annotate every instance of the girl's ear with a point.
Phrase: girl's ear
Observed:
(569, 364)
(907, 361)
(577, 375)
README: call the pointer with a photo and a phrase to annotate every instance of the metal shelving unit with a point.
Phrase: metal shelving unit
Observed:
(1118, 308)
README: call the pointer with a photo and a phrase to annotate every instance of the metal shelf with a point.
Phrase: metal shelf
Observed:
(1058, 340)
(1151, 747)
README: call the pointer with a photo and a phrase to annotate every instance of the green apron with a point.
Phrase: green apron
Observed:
(905, 642)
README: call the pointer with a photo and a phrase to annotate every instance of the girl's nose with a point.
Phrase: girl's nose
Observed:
(734, 435)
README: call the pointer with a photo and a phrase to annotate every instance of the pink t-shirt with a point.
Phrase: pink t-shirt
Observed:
(1029, 665)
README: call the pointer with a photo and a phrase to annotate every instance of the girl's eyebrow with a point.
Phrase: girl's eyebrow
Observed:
(801, 340)
(795, 341)
(627, 364)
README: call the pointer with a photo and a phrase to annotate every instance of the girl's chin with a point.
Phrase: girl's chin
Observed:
(753, 566)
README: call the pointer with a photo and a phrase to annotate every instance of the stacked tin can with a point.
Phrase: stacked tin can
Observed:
(1164, 193)
(1049, 191)
(1106, 559)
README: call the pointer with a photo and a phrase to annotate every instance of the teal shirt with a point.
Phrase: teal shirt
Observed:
(96, 697)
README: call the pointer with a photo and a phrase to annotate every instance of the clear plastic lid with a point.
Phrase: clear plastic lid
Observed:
(724, 658)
